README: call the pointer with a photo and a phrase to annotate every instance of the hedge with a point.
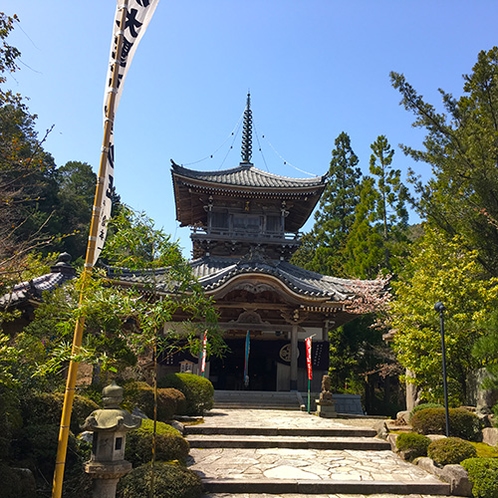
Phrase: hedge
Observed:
(198, 391)
(170, 481)
(170, 444)
(463, 424)
(483, 474)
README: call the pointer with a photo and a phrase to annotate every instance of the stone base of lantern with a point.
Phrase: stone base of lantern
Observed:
(325, 411)
(106, 477)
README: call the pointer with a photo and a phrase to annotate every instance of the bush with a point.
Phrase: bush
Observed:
(424, 406)
(483, 474)
(198, 391)
(415, 445)
(36, 449)
(171, 481)
(450, 450)
(170, 444)
(141, 395)
(46, 409)
(463, 424)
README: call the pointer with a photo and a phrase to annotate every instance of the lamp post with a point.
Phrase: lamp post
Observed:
(439, 307)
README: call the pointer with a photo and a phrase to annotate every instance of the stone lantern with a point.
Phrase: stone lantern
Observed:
(109, 426)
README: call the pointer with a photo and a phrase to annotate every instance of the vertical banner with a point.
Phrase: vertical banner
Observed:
(204, 353)
(309, 364)
(125, 40)
(246, 359)
(131, 20)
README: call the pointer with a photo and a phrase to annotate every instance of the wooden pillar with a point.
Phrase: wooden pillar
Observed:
(294, 352)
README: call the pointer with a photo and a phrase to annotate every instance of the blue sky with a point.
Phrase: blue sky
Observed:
(314, 68)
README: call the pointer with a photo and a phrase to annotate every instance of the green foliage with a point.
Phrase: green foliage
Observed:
(76, 188)
(36, 448)
(46, 408)
(171, 481)
(450, 450)
(441, 269)
(486, 351)
(198, 391)
(485, 450)
(424, 406)
(140, 394)
(463, 423)
(322, 249)
(414, 444)
(170, 444)
(483, 474)
(461, 147)
(13, 485)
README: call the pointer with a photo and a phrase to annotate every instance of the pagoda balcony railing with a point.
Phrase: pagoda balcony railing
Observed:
(245, 235)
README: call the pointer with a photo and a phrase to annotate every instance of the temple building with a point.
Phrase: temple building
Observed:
(245, 226)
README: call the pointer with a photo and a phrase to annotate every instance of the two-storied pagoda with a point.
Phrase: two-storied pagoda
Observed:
(245, 227)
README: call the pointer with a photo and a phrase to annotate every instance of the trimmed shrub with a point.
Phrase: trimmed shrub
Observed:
(170, 481)
(46, 409)
(450, 450)
(463, 424)
(424, 406)
(141, 395)
(170, 444)
(198, 391)
(483, 474)
(415, 445)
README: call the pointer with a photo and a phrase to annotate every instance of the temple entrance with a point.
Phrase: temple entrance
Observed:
(228, 373)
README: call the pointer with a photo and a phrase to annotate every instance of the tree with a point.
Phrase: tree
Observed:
(462, 148)
(364, 247)
(323, 247)
(76, 189)
(441, 269)
(123, 321)
(390, 210)
(27, 184)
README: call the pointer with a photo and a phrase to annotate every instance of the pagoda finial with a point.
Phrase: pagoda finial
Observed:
(247, 132)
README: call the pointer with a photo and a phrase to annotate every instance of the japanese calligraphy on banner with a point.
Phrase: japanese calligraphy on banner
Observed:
(137, 17)
(309, 365)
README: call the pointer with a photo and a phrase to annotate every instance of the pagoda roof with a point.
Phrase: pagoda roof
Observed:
(244, 181)
(247, 175)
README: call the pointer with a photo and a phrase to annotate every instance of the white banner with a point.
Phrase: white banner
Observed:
(138, 16)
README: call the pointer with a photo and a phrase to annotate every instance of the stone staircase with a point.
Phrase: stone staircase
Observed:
(246, 459)
(275, 400)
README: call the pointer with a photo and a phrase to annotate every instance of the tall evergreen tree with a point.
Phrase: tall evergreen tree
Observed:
(461, 146)
(323, 247)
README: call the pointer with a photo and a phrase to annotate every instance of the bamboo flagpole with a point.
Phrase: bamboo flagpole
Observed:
(132, 17)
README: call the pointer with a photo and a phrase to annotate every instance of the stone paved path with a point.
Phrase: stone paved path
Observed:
(299, 464)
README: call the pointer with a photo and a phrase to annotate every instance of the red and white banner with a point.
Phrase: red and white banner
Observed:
(125, 40)
(309, 363)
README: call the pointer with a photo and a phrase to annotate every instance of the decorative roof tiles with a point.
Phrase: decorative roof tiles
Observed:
(246, 175)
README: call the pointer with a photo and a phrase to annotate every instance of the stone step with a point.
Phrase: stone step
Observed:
(310, 487)
(280, 431)
(296, 442)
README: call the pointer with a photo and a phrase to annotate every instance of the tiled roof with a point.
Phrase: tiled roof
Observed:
(61, 272)
(246, 175)
(213, 272)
